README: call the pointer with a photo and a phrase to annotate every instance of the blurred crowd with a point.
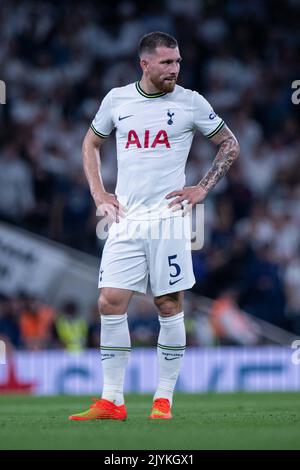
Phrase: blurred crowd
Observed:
(30, 324)
(58, 61)
(27, 323)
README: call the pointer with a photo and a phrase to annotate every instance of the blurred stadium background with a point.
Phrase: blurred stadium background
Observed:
(58, 60)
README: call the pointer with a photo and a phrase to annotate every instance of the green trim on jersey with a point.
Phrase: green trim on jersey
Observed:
(216, 130)
(104, 136)
(148, 95)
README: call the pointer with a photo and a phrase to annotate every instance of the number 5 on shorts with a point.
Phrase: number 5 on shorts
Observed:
(174, 265)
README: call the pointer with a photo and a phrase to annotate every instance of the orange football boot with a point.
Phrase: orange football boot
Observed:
(102, 409)
(161, 409)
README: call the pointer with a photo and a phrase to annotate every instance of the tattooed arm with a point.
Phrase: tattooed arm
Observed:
(227, 154)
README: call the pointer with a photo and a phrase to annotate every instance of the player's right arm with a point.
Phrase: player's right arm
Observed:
(101, 127)
(92, 165)
(105, 202)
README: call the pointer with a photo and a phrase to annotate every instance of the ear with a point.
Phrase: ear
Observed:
(144, 64)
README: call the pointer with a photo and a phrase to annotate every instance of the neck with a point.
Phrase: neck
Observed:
(148, 86)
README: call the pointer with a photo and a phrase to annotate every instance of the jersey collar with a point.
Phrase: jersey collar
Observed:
(148, 95)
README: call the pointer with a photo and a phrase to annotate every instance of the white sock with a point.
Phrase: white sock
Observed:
(170, 351)
(115, 349)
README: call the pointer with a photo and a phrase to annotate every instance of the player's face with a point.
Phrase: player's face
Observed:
(162, 68)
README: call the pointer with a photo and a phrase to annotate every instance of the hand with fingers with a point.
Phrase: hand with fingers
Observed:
(186, 198)
(109, 206)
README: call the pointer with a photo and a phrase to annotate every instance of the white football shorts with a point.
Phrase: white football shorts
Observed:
(138, 249)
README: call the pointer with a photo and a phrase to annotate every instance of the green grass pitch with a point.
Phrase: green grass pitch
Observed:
(202, 421)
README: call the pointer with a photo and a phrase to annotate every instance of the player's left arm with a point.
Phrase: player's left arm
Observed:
(227, 154)
(229, 150)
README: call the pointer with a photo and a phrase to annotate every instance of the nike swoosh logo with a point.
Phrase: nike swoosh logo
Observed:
(174, 282)
(124, 117)
(104, 359)
(171, 358)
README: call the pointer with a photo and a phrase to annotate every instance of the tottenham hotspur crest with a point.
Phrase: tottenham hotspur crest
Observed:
(170, 121)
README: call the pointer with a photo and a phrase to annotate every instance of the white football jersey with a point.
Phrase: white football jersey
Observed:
(154, 133)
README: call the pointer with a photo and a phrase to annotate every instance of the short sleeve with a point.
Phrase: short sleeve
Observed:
(103, 123)
(204, 118)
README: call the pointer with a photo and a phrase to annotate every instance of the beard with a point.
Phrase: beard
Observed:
(164, 85)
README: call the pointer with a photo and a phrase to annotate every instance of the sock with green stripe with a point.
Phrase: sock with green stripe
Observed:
(115, 350)
(170, 352)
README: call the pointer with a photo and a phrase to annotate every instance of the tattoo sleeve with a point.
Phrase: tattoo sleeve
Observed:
(227, 154)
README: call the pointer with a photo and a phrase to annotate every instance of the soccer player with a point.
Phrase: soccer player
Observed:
(155, 121)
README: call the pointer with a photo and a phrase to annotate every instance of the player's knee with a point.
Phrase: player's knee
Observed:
(110, 305)
(167, 307)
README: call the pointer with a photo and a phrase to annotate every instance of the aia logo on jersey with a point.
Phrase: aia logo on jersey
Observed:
(161, 138)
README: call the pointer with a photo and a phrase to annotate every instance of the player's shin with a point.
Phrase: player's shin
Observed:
(170, 350)
(115, 349)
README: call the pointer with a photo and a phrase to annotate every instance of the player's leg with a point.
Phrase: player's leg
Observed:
(115, 349)
(171, 272)
(123, 271)
(115, 341)
(170, 350)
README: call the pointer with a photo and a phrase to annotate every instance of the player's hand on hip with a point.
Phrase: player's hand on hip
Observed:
(109, 206)
(186, 198)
